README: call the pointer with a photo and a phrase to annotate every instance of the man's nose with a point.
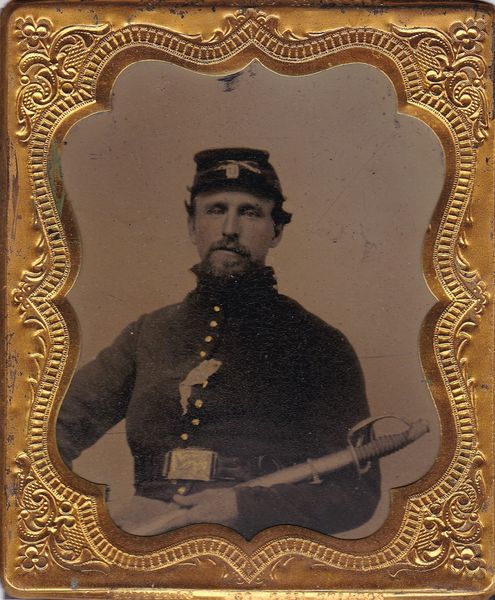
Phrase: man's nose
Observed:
(231, 224)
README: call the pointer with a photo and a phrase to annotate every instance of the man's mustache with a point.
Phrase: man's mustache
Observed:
(237, 248)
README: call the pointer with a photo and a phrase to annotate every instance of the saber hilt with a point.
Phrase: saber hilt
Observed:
(388, 444)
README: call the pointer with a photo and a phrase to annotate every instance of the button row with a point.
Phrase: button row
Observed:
(202, 353)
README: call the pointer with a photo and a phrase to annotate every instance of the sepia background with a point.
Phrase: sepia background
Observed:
(361, 179)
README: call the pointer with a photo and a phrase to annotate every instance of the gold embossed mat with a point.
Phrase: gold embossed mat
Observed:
(379, 121)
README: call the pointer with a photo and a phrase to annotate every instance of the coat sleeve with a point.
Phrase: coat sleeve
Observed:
(336, 402)
(98, 396)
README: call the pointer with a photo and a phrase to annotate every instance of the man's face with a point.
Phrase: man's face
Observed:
(232, 230)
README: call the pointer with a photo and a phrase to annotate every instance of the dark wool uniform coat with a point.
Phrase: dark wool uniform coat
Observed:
(289, 388)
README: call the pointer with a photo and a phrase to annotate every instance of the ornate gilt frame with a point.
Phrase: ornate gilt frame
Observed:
(60, 61)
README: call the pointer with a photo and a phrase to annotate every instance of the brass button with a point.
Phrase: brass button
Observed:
(198, 403)
(202, 353)
(184, 436)
(195, 421)
(181, 490)
(208, 338)
(213, 323)
(216, 308)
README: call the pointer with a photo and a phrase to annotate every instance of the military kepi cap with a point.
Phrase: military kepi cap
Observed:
(245, 169)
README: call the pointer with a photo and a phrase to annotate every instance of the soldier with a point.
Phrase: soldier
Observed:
(235, 381)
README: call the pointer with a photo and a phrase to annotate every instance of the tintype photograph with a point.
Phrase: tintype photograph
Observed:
(248, 300)
(249, 245)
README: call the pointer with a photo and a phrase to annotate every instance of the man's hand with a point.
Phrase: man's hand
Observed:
(211, 506)
(143, 516)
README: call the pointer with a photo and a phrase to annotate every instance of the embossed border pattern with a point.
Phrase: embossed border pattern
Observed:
(443, 73)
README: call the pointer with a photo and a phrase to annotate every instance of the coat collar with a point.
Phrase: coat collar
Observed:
(255, 284)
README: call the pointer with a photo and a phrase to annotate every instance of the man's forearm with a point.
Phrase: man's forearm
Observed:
(341, 502)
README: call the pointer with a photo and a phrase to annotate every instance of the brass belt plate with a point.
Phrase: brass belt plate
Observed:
(195, 464)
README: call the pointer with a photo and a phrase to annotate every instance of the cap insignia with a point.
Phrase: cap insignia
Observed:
(232, 168)
(232, 171)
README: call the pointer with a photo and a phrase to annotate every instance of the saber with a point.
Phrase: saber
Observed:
(314, 468)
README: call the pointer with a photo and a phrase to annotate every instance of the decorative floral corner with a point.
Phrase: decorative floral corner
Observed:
(49, 64)
(453, 67)
(49, 532)
(451, 532)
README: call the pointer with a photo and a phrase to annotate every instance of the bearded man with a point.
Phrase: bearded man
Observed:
(234, 382)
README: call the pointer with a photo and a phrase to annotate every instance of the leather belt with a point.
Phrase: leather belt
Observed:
(200, 464)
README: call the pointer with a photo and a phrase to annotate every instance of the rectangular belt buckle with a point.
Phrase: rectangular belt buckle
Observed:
(196, 464)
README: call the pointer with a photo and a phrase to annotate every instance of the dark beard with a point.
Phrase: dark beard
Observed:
(205, 270)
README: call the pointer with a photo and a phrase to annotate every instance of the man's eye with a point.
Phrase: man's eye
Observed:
(251, 212)
(215, 210)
